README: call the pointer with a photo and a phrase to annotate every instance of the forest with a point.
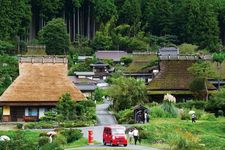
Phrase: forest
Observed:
(130, 25)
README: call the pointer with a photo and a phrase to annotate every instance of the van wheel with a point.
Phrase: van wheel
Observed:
(104, 142)
(125, 145)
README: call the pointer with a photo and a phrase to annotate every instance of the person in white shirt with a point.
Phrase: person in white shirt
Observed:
(136, 135)
(130, 134)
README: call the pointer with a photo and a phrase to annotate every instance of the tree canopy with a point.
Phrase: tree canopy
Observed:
(55, 37)
(126, 92)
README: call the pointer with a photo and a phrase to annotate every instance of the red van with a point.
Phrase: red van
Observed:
(114, 135)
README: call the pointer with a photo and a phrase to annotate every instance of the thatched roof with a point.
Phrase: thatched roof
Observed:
(141, 63)
(41, 82)
(174, 76)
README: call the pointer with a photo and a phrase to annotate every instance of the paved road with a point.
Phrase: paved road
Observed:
(104, 117)
(129, 147)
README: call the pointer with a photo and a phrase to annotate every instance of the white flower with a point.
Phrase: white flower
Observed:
(170, 98)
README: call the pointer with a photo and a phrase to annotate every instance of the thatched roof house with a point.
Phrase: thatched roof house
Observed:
(40, 83)
(173, 78)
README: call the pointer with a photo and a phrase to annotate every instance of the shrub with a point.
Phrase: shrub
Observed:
(30, 125)
(51, 146)
(170, 109)
(43, 140)
(209, 117)
(72, 134)
(125, 116)
(192, 104)
(60, 139)
(157, 112)
(19, 125)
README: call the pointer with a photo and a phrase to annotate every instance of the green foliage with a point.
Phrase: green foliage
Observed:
(6, 47)
(72, 134)
(186, 48)
(209, 117)
(101, 41)
(55, 37)
(19, 125)
(125, 116)
(104, 10)
(169, 108)
(49, 9)
(8, 71)
(192, 104)
(197, 87)
(66, 107)
(52, 146)
(126, 60)
(203, 70)
(217, 102)
(15, 19)
(218, 57)
(126, 93)
(98, 95)
(43, 140)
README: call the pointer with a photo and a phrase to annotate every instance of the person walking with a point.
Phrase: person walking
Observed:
(136, 135)
(193, 118)
(130, 135)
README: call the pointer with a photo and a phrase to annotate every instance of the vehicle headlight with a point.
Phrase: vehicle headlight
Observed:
(113, 137)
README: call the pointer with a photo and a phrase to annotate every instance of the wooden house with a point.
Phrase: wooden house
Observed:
(174, 78)
(38, 87)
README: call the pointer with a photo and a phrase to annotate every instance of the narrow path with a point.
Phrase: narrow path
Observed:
(105, 117)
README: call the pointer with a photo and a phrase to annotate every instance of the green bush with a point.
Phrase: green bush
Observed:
(125, 116)
(43, 140)
(72, 134)
(51, 146)
(60, 139)
(192, 104)
(19, 125)
(170, 109)
(209, 117)
(157, 112)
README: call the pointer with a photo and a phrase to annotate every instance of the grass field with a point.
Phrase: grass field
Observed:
(168, 133)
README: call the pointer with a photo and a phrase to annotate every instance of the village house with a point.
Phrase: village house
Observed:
(144, 66)
(41, 82)
(114, 55)
(174, 78)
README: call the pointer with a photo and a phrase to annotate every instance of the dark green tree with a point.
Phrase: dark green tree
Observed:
(126, 93)
(55, 37)
(202, 70)
(104, 10)
(15, 18)
(49, 9)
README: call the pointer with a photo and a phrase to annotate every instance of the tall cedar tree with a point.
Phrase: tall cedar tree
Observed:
(55, 37)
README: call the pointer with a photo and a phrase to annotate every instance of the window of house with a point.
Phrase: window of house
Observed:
(32, 112)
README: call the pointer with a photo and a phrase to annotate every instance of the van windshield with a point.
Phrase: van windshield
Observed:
(118, 131)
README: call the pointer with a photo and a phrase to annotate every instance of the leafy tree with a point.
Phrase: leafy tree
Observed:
(66, 107)
(197, 87)
(15, 18)
(98, 95)
(126, 60)
(188, 49)
(104, 10)
(198, 19)
(49, 9)
(55, 37)
(126, 93)
(101, 41)
(6, 47)
(218, 58)
(216, 103)
(202, 69)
